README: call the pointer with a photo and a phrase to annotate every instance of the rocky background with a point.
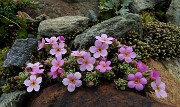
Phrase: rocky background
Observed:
(65, 17)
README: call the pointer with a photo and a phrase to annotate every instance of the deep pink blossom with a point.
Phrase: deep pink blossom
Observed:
(33, 83)
(52, 40)
(78, 53)
(136, 81)
(100, 49)
(72, 81)
(154, 74)
(56, 63)
(58, 49)
(54, 74)
(105, 39)
(61, 39)
(86, 62)
(141, 67)
(41, 44)
(127, 54)
(159, 88)
(104, 66)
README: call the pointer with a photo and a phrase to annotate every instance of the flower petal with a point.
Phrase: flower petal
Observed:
(122, 50)
(157, 94)
(133, 55)
(121, 57)
(30, 89)
(92, 60)
(65, 81)
(104, 46)
(96, 55)
(93, 49)
(70, 76)
(98, 43)
(131, 77)
(36, 87)
(89, 67)
(103, 35)
(80, 60)
(52, 51)
(77, 75)
(71, 87)
(104, 53)
(128, 59)
(163, 93)
(143, 81)
(139, 87)
(27, 82)
(129, 49)
(39, 80)
(138, 75)
(162, 86)
(61, 45)
(82, 67)
(78, 83)
(33, 77)
(131, 84)
(153, 85)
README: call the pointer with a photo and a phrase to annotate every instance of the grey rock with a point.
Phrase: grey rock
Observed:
(62, 25)
(92, 16)
(20, 52)
(115, 26)
(173, 13)
(139, 5)
(14, 99)
(173, 66)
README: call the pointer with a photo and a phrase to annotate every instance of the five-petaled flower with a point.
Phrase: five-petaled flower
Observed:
(100, 49)
(105, 39)
(72, 81)
(41, 44)
(35, 68)
(104, 66)
(136, 81)
(126, 53)
(86, 62)
(52, 40)
(33, 83)
(58, 49)
(159, 88)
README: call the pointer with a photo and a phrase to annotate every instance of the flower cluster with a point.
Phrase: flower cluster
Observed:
(90, 64)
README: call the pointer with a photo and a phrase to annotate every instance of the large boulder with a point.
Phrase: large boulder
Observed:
(139, 5)
(105, 95)
(20, 52)
(116, 26)
(170, 75)
(62, 25)
(173, 13)
(13, 99)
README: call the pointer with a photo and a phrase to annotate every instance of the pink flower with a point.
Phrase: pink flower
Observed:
(127, 54)
(103, 38)
(78, 54)
(61, 39)
(136, 81)
(42, 44)
(58, 50)
(33, 83)
(104, 66)
(35, 68)
(154, 74)
(159, 88)
(86, 62)
(56, 63)
(55, 73)
(141, 66)
(52, 40)
(100, 49)
(72, 81)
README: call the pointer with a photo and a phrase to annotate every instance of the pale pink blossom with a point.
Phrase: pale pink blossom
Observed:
(105, 39)
(72, 81)
(56, 63)
(35, 65)
(100, 49)
(137, 81)
(159, 88)
(35, 68)
(58, 49)
(127, 54)
(33, 83)
(52, 40)
(41, 44)
(54, 74)
(86, 62)
(61, 39)
(36, 71)
(78, 53)
(104, 66)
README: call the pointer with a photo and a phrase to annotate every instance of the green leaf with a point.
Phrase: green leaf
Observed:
(21, 34)
(126, 3)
